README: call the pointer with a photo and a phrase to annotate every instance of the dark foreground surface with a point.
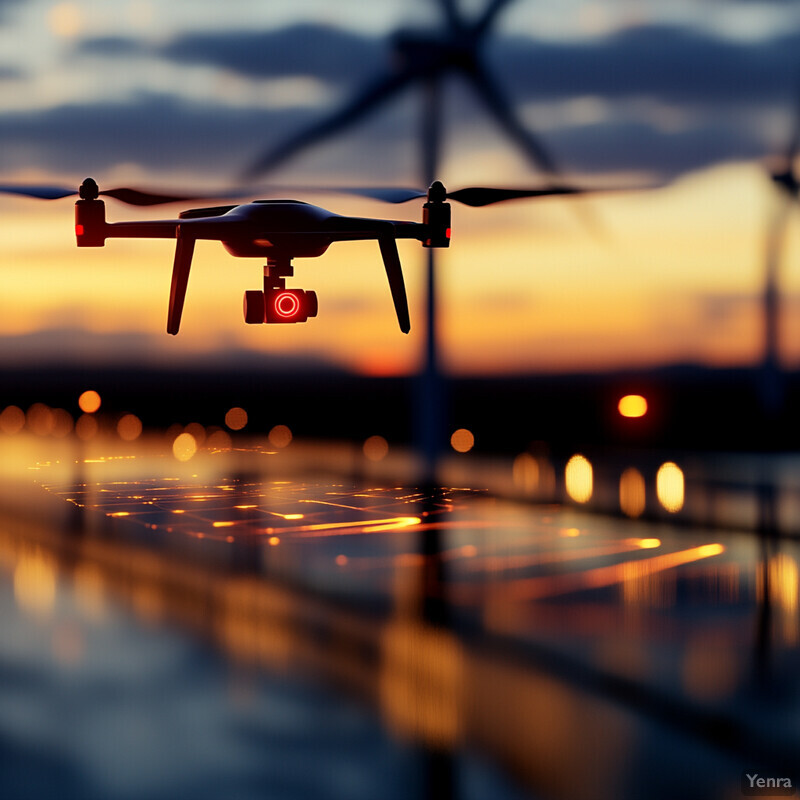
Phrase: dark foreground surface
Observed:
(249, 624)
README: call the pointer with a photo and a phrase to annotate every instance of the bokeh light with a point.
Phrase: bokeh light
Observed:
(462, 440)
(129, 427)
(236, 418)
(62, 423)
(632, 495)
(280, 436)
(197, 431)
(219, 440)
(12, 420)
(184, 446)
(35, 583)
(525, 473)
(89, 401)
(632, 406)
(670, 487)
(86, 427)
(39, 419)
(376, 448)
(579, 478)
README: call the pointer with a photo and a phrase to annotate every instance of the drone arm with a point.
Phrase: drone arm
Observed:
(157, 229)
(184, 250)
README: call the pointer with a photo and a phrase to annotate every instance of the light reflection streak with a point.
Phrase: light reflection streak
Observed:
(558, 585)
(500, 563)
(335, 505)
(277, 514)
(346, 528)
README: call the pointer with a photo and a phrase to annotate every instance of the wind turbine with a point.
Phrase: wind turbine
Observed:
(787, 183)
(424, 59)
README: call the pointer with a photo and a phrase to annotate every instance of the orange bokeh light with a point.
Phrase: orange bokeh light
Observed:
(12, 420)
(184, 447)
(579, 479)
(86, 427)
(376, 448)
(89, 401)
(236, 418)
(129, 427)
(462, 440)
(280, 436)
(632, 406)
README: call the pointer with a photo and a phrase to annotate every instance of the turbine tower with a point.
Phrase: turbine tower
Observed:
(424, 59)
(788, 184)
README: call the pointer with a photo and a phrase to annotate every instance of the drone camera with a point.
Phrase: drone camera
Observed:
(279, 306)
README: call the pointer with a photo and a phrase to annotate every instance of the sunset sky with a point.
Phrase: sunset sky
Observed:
(186, 93)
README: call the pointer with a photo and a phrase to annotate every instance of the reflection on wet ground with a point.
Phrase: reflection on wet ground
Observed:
(252, 627)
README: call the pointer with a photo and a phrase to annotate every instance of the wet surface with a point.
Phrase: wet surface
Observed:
(259, 628)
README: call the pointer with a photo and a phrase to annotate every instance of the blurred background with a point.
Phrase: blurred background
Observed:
(667, 286)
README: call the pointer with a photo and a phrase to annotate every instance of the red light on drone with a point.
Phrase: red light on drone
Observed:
(287, 305)
(447, 233)
(79, 230)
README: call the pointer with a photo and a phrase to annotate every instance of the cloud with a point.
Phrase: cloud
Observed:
(637, 145)
(307, 50)
(719, 90)
(673, 64)
(669, 62)
(158, 132)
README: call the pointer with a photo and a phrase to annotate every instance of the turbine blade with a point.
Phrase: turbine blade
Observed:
(450, 11)
(771, 389)
(794, 139)
(490, 94)
(41, 192)
(372, 97)
(486, 20)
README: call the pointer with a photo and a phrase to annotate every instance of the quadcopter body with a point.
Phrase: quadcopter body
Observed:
(277, 230)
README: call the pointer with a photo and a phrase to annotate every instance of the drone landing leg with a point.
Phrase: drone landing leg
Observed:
(184, 250)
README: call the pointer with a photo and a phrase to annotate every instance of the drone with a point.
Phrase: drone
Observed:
(277, 231)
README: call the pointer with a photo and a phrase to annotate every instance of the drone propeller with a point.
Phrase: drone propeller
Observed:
(473, 196)
(133, 197)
